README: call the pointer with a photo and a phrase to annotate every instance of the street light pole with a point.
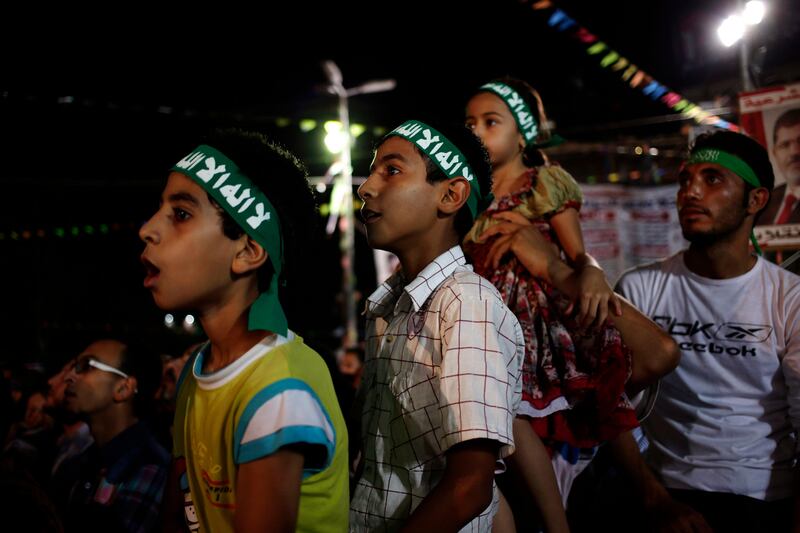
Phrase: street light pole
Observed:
(744, 58)
(735, 28)
(347, 220)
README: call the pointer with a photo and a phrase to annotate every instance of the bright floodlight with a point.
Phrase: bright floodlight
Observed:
(336, 137)
(753, 12)
(731, 30)
(331, 126)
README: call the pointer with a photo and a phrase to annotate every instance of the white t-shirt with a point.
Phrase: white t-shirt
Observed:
(725, 420)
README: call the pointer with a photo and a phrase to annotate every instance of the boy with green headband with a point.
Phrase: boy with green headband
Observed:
(260, 442)
(723, 429)
(441, 378)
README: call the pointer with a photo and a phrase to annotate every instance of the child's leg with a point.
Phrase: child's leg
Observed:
(532, 462)
(504, 519)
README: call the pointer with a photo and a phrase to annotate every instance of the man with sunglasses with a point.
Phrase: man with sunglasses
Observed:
(73, 440)
(122, 475)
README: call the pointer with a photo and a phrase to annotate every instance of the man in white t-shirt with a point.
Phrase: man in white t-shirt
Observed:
(722, 431)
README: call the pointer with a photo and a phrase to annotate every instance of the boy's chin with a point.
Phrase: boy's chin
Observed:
(168, 305)
(379, 242)
(386, 247)
(160, 303)
(376, 244)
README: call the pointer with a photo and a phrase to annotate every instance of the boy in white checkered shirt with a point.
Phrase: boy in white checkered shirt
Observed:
(441, 382)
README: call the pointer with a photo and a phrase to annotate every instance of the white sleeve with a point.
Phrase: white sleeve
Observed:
(285, 413)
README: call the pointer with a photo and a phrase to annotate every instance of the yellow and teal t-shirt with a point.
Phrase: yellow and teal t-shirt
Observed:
(279, 393)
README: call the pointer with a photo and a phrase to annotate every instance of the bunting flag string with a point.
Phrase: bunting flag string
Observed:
(628, 72)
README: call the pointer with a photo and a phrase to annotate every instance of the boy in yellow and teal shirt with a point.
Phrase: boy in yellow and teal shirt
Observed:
(260, 441)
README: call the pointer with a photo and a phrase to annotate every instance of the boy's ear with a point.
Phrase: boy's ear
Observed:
(249, 256)
(454, 195)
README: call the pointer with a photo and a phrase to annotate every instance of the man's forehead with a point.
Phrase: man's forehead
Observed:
(788, 131)
(104, 350)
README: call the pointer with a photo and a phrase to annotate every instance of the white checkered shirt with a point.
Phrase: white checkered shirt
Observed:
(442, 367)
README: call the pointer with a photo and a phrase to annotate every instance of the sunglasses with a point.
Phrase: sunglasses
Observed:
(83, 365)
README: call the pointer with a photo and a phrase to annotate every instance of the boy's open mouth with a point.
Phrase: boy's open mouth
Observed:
(369, 216)
(151, 272)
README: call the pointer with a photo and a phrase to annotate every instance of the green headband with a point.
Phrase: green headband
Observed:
(732, 163)
(526, 120)
(443, 153)
(727, 160)
(253, 212)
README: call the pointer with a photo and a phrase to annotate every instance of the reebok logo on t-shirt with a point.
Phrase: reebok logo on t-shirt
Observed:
(728, 332)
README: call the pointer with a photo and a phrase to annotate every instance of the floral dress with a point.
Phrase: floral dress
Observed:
(573, 382)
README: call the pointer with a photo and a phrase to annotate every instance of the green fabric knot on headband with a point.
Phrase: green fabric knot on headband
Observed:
(525, 118)
(734, 164)
(444, 154)
(221, 178)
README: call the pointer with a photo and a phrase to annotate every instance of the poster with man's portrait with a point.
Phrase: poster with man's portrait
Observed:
(772, 117)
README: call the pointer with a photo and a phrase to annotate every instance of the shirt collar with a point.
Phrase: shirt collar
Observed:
(227, 373)
(419, 290)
